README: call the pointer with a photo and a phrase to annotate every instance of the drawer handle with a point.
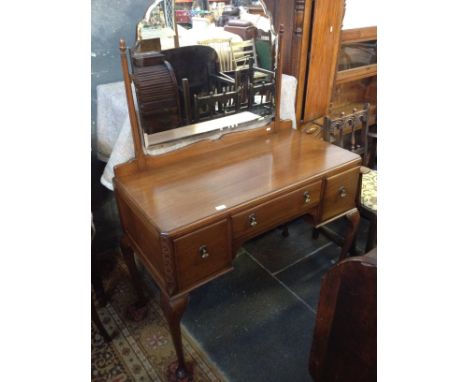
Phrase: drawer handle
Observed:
(252, 220)
(204, 252)
(342, 191)
(306, 197)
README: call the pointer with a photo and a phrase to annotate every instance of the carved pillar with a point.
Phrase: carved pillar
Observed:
(300, 48)
(298, 31)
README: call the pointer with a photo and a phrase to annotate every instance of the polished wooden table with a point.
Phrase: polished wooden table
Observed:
(186, 213)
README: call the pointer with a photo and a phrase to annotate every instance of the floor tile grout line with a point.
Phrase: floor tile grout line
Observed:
(302, 258)
(282, 283)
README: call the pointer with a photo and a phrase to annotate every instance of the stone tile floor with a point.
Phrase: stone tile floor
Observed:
(256, 323)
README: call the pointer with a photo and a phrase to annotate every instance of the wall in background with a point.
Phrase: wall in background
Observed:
(360, 13)
(111, 20)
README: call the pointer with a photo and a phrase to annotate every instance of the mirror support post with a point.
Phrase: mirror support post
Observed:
(137, 145)
(279, 73)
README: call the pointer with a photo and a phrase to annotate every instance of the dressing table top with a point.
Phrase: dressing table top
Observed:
(197, 188)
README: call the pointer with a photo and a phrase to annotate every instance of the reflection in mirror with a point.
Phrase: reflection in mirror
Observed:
(355, 54)
(203, 67)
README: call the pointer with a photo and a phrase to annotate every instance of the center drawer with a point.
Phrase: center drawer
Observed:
(202, 253)
(268, 214)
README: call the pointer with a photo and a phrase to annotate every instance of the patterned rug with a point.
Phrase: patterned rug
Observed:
(140, 351)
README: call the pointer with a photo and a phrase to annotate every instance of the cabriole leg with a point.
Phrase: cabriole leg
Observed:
(173, 309)
(353, 222)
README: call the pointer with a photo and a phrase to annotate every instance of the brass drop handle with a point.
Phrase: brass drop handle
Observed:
(342, 191)
(306, 197)
(252, 220)
(203, 252)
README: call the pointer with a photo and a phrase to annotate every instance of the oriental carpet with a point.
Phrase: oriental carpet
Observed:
(140, 351)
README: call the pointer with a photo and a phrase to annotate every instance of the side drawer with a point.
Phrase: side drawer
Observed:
(202, 253)
(267, 214)
(340, 193)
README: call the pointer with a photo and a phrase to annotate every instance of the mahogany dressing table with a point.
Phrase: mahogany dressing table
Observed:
(187, 212)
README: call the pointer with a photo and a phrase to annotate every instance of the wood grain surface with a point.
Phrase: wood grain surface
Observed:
(207, 185)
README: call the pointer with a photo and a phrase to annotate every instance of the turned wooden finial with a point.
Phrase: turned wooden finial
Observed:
(123, 46)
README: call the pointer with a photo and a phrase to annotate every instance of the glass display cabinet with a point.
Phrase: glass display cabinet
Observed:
(356, 77)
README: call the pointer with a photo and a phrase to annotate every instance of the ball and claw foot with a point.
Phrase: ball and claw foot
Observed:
(180, 374)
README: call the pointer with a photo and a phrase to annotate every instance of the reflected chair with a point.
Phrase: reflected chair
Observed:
(216, 105)
(258, 82)
(244, 56)
(222, 46)
(197, 71)
(242, 51)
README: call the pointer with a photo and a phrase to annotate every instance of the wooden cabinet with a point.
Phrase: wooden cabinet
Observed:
(314, 29)
(356, 77)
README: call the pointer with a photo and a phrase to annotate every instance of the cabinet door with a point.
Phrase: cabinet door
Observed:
(325, 43)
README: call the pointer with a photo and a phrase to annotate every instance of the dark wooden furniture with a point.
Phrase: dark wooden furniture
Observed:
(167, 82)
(216, 105)
(156, 90)
(242, 28)
(356, 77)
(344, 346)
(186, 213)
(229, 13)
(199, 64)
(314, 35)
(101, 298)
(372, 156)
(313, 31)
(348, 128)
